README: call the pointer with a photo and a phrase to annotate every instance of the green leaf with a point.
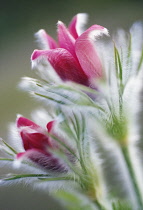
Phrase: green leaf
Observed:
(121, 206)
(80, 127)
(9, 147)
(117, 127)
(119, 70)
(118, 64)
(63, 145)
(64, 95)
(61, 94)
(74, 201)
(68, 178)
(6, 159)
(72, 165)
(68, 126)
(21, 176)
(129, 51)
(140, 61)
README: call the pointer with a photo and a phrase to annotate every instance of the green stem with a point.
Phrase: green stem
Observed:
(20, 176)
(57, 179)
(99, 206)
(133, 177)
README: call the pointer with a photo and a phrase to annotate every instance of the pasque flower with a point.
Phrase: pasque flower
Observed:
(91, 138)
(37, 144)
(74, 57)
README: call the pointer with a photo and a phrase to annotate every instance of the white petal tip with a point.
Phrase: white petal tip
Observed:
(18, 116)
(59, 21)
(41, 31)
(106, 32)
(82, 19)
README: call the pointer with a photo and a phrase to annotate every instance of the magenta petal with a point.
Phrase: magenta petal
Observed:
(33, 136)
(32, 139)
(50, 125)
(72, 27)
(66, 40)
(77, 24)
(86, 52)
(37, 53)
(22, 121)
(64, 64)
(20, 155)
(46, 41)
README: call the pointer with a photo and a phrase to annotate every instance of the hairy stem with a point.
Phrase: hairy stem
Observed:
(99, 205)
(133, 177)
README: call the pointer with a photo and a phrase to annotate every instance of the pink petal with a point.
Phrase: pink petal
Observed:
(32, 139)
(20, 155)
(64, 64)
(66, 40)
(22, 122)
(33, 136)
(77, 24)
(50, 125)
(86, 52)
(45, 40)
(51, 129)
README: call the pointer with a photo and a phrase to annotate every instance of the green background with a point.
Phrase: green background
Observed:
(19, 20)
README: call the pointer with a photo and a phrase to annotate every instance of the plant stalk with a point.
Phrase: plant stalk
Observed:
(133, 177)
(99, 206)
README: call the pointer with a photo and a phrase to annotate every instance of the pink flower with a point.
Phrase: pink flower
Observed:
(74, 58)
(37, 143)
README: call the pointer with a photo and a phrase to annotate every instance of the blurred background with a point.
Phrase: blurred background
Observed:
(19, 20)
